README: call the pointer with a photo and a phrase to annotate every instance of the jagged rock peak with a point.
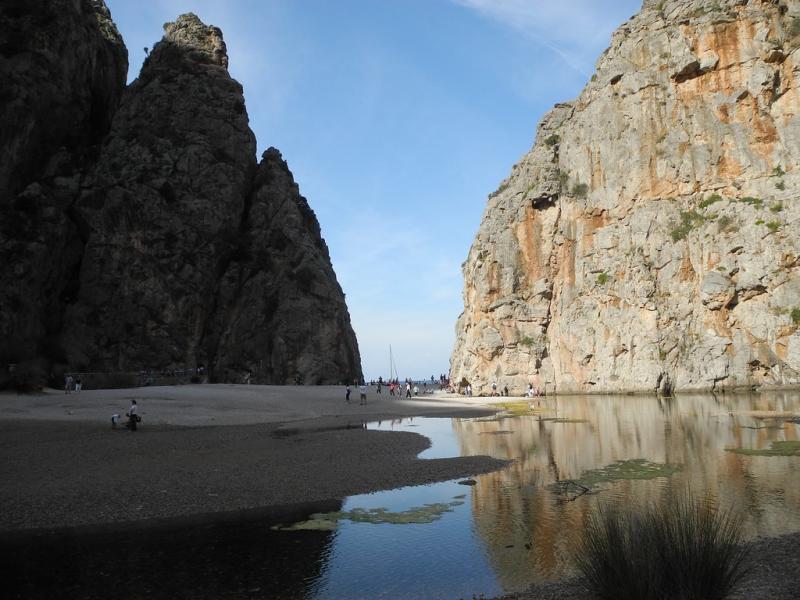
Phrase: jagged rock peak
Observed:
(200, 42)
(141, 232)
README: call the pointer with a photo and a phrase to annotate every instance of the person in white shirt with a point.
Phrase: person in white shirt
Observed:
(362, 389)
(133, 415)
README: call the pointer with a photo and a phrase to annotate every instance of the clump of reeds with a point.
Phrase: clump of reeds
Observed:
(688, 549)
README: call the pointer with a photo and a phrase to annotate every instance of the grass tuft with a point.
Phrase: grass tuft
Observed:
(688, 549)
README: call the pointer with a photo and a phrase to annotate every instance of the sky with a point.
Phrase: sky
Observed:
(397, 118)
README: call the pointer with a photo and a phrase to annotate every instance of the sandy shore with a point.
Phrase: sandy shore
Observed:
(207, 449)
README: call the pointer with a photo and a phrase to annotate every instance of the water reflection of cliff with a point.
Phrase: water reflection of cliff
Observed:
(529, 530)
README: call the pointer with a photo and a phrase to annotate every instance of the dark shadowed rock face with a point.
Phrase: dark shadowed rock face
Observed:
(280, 301)
(63, 67)
(165, 246)
(161, 209)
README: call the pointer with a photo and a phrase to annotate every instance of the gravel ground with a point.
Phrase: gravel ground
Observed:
(64, 466)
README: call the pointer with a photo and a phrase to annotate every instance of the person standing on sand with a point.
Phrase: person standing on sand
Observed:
(362, 389)
(133, 415)
(494, 388)
(68, 384)
(408, 390)
(77, 384)
(347, 393)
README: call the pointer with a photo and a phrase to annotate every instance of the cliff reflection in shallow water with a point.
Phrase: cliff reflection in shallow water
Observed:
(529, 525)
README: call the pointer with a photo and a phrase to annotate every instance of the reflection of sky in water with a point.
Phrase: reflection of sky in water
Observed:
(513, 529)
(443, 559)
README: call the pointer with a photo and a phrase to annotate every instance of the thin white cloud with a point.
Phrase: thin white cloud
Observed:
(571, 30)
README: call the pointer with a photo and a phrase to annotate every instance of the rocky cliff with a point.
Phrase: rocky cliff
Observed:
(649, 238)
(172, 247)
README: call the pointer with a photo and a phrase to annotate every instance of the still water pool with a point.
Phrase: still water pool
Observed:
(517, 526)
(511, 528)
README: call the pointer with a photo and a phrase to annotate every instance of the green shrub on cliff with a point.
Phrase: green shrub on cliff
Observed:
(689, 220)
(757, 202)
(795, 315)
(710, 200)
(580, 190)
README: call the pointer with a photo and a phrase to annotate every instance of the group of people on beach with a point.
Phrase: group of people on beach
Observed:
(407, 388)
(133, 417)
(72, 384)
(465, 389)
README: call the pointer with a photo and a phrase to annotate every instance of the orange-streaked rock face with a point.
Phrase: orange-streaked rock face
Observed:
(642, 242)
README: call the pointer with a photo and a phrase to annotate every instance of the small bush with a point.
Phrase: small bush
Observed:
(580, 190)
(794, 28)
(776, 208)
(563, 178)
(773, 226)
(778, 172)
(526, 341)
(757, 202)
(780, 185)
(710, 200)
(552, 140)
(687, 549)
(795, 316)
(602, 278)
(759, 221)
(689, 220)
(725, 223)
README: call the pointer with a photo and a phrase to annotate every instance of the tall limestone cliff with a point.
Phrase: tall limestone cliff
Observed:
(177, 249)
(649, 239)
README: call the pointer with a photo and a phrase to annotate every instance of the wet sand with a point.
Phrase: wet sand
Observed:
(204, 449)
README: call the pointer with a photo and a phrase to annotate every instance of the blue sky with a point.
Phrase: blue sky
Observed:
(397, 118)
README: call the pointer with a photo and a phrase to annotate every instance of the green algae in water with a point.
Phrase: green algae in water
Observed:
(563, 420)
(518, 409)
(637, 468)
(427, 513)
(787, 448)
